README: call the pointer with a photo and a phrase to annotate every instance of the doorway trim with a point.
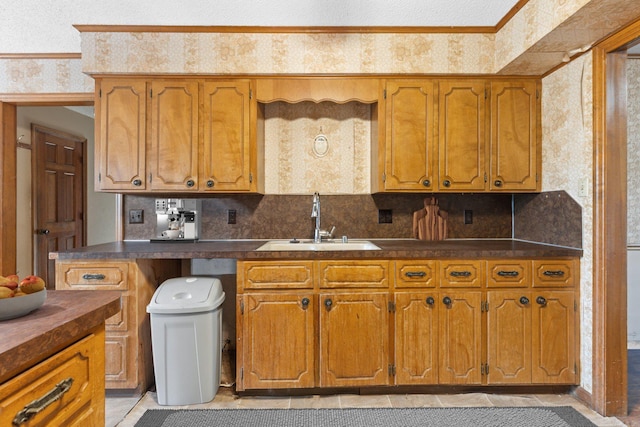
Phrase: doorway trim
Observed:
(609, 396)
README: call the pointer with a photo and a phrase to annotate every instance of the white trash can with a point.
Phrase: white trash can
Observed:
(186, 333)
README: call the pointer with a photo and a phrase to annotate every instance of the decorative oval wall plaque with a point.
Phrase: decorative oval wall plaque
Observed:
(320, 145)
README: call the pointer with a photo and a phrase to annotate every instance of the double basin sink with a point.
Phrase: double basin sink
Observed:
(325, 245)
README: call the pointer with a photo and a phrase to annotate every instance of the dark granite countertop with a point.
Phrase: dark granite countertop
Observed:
(390, 249)
(65, 317)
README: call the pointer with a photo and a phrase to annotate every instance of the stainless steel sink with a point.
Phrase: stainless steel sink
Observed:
(325, 245)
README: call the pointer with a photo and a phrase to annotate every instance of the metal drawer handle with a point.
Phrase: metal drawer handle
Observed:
(508, 273)
(415, 274)
(40, 404)
(553, 273)
(460, 274)
(93, 276)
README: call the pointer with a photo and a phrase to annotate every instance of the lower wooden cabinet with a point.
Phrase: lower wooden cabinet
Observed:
(75, 375)
(128, 357)
(278, 333)
(407, 322)
(354, 339)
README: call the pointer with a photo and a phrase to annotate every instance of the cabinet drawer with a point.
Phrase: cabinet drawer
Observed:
(124, 318)
(555, 273)
(416, 274)
(508, 273)
(67, 374)
(461, 274)
(354, 274)
(276, 275)
(96, 276)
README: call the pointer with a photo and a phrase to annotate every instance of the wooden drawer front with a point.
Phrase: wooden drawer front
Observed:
(555, 273)
(68, 370)
(103, 276)
(416, 274)
(278, 275)
(461, 274)
(354, 274)
(124, 318)
(118, 368)
(509, 273)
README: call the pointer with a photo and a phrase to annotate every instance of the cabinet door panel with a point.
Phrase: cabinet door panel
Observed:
(227, 138)
(354, 339)
(279, 346)
(462, 120)
(509, 337)
(173, 149)
(416, 344)
(460, 340)
(514, 142)
(554, 352)
(120, 362)
(121, 123)
(409, 145)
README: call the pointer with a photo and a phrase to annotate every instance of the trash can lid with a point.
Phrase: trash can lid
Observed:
(187, 295)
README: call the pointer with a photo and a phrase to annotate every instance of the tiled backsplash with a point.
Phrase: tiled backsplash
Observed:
(549, 217)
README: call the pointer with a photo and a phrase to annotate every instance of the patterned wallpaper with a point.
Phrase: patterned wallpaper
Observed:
(567, 164)
(45, 75)
(633, 152)
(291, 164)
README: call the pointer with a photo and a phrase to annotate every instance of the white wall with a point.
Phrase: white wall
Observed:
(101, 210)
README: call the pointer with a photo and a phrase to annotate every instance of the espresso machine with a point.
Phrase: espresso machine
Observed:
(177, 220)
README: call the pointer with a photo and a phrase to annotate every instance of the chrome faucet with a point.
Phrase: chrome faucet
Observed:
(318, 233)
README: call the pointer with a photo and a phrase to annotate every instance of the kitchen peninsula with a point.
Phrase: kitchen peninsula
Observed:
(58, 348)
(479, 312)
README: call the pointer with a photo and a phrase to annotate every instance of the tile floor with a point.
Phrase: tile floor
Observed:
(124, 411)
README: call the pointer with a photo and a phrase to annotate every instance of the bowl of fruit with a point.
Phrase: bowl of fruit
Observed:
(20, 297)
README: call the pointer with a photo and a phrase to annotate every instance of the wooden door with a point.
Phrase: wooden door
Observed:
(279, 348)
(58, 182)
(173, 148)
(509, 337)
(554, 337)
(416, 338)
(461, 138)
(460, 337)
(121, 134)
(409, 144)
(354, 339)
(515, 140)
(227, 147)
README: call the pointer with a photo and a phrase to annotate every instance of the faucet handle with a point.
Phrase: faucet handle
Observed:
(333, 230)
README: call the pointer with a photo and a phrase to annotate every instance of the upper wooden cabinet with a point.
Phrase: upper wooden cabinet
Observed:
(462, 107)
(515, 152)
(409, 142)
(121, 111)
(176, 135)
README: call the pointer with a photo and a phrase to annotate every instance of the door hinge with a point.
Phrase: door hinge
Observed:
(485, 177)
(241, 307)
(575, 306)
(250, 178)
(486, 94)
(484, 306)
(241, 373)
(537, 94)
(100, 93)
(384, 94)
(392, 370)
(250, 94)
(150, 93)
(150, 177)
(384, 177)
(99, 177)
(537, 178)
(392, 307)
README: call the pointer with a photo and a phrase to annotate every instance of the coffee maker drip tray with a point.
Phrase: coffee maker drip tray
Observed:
(170, 240)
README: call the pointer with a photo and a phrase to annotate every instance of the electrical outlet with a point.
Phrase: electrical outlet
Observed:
(136, 216)
(468, 216)
(231, 216)
(385, 216)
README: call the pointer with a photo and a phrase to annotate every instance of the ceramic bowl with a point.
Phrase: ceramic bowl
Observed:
(10, 308)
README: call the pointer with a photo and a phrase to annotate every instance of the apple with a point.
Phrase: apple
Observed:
(11, 285)
(5, 292)
(13, 278)
(32, 284)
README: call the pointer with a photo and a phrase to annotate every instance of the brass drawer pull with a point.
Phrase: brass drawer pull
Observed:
(460, 274)
(502, 273)
(553, 273)
(412, 274)
(40, 404)
(93, 276)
